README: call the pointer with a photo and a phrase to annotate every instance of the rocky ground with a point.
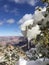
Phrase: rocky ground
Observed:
(9, 54)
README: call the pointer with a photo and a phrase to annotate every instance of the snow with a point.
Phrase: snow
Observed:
(22, 61)
(38, 16)
(32, 33)
(37, 62)
(26, 23)
(33, 63)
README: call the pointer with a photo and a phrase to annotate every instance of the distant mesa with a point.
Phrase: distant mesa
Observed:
(10, 40)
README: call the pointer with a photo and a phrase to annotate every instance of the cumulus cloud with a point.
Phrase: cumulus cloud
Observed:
(19, 1)
(26, 23)
(30, 2)
(37, 16)
(25, 18)
(10, 21)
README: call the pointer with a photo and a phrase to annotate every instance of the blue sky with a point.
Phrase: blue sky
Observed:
(11, 11)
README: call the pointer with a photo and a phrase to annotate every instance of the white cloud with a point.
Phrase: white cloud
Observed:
(25, 18)
(17, 1)
(10, 21)
(30, 2)
(26, 23)
(37, 16)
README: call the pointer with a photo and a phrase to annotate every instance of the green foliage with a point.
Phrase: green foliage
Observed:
(45, 1)
(43, 41)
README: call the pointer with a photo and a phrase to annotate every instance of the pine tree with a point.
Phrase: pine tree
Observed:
(45, 1)
(42, 39)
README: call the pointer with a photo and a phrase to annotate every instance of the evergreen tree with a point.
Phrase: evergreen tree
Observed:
(42, 39)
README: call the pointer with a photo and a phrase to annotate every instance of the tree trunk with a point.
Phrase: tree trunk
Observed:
(28, 44)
